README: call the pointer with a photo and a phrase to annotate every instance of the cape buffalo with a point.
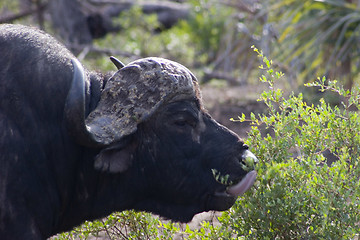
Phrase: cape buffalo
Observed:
(76, 145)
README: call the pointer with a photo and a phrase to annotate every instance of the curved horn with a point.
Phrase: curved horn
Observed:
(117, 62)
(75, 109)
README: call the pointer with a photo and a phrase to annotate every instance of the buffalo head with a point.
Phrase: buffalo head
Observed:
(150, 122)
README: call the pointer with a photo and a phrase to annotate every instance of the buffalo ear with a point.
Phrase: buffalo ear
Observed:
(116, 158)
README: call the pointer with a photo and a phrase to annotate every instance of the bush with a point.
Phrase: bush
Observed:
(300, 194)
(193, 41)
(140, 37)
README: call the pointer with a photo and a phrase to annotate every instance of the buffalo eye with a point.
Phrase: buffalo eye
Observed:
(183, 120)
(181, 116)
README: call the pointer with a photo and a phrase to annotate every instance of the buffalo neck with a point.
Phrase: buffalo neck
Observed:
(97, 194)
(89, 194)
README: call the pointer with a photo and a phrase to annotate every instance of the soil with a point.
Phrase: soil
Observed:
(224, 103)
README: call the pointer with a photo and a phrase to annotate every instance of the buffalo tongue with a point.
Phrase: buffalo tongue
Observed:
(244, 185)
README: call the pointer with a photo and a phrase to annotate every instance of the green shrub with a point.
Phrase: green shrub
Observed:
(300, 194)
(139, 38)
(207, 26)
(124, 225)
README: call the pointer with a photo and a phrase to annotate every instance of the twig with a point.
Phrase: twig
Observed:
(220, 75)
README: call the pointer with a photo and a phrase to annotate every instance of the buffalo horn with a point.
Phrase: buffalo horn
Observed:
(75, 109)
(117, 62)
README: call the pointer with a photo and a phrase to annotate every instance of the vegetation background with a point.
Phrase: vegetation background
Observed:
(301, 123)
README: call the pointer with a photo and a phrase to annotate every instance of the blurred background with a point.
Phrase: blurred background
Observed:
(305, 39)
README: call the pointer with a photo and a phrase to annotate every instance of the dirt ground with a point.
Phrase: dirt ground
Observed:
(224, 103)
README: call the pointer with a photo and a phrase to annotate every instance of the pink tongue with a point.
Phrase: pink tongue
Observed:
(243, 185)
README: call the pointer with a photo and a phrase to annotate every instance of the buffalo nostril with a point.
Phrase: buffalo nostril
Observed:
(248, 160)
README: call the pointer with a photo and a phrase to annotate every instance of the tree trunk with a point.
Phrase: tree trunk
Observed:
(345, 73)
(70, 21)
